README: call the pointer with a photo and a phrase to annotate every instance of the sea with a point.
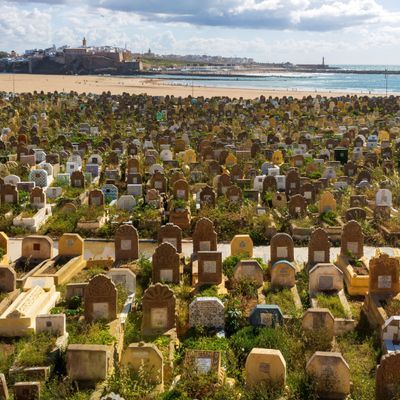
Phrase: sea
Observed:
(378, 82)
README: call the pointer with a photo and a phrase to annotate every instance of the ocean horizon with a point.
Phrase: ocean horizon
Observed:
(378, 83)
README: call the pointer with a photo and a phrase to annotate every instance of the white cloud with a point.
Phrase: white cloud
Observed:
(307, 15)
(24, 26)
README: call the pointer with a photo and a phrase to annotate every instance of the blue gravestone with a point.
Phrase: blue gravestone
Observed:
(266, 315)
(110, 192)
(93, 169)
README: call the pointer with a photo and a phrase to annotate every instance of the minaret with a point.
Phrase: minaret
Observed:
(84, 42)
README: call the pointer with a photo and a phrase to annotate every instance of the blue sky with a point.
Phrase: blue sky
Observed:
(300, 31)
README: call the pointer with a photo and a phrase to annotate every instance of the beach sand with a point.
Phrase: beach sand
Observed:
(21, 83)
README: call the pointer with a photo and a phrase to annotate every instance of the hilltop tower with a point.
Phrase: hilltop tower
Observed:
(84, 42)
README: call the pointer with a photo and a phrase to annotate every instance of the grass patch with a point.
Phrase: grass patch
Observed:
(362, 355)
(34, 350)
(333, 304)
(392, 307)
(282, 298)
(94, 333)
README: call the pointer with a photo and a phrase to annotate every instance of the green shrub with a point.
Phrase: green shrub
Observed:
(132, 330)
(131, 385)
(245, 287)
(145, 272)
(34, 350)
(262, 391)
(62, 389)
(234, 316)
(93, 333)
(329, 217)
(280, 338)
(74, 302)
(229, 264)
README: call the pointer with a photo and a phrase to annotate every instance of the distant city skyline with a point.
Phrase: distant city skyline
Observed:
(299, 31)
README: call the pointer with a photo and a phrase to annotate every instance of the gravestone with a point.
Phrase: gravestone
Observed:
(126, 243)
(282, 248)
(69, 208)
(234, 194)
(12, 180)
(352, 240)
(158, 305)
(153, 198)
(388, 376)
(135, 190)
(53, 192)
(96, 198)
(326, 203)
(8, 279)
(207, 312)
(242, 245)
(93, 170)
(139, 356)
(209, 267)
(325, 278)
(265, 366)
(391, 334)
(181, 190)
(292, 183)
(126, 202)
(269, 184)
(383, 198)
(204, 236)
(78, 179)
(355, 213)
(207, 196)
(110, 192)
(89, 363)
(319, 247)
(39, 176)
(8, 194)
(166, 262)
(75, 289)
(268, 315)
(37, 197)
(124, 277)
(297, 206)
(54, 324)
(331, 374)
(159, 182)
(203, 362)
(279, 200)
(4, 395)
(37, 247)
(320, 320)
(384, 272)
(249, 270)
(135, 179)
(27, 391)
(4, 245)
(283, 274)
(170, 233)
(100, 299)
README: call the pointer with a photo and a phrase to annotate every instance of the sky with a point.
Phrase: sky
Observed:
(298, 31)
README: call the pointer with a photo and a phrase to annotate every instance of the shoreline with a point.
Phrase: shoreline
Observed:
(23, 83)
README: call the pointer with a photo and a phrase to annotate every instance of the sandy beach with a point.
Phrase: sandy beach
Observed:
(20, 83)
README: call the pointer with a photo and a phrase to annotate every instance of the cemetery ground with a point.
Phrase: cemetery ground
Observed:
(360, 348)
(191, 248)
